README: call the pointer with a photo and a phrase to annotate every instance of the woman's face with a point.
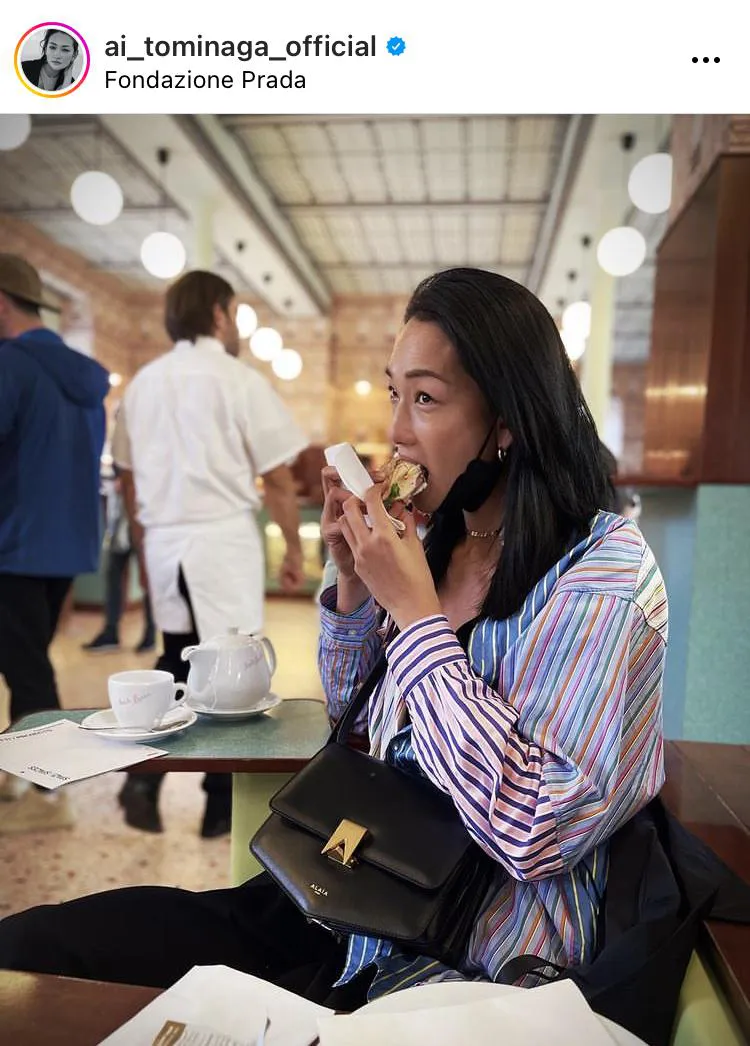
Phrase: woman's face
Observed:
(60, 51)
(440, 418)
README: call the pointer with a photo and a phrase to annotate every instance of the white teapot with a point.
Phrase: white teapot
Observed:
(231, 672)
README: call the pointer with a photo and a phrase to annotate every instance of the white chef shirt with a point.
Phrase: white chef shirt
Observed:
(197, 427)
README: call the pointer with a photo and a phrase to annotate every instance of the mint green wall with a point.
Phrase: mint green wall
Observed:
(717, 694)
(668, 524)
(701, 540)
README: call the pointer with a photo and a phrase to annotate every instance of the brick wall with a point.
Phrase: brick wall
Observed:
(124, 325)
(116, 315)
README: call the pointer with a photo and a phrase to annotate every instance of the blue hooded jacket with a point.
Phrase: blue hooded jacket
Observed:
(52, 427)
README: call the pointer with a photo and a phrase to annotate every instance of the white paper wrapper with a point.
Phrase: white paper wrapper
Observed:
(355, 477)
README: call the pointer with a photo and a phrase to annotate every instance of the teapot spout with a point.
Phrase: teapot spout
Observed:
(199, 677)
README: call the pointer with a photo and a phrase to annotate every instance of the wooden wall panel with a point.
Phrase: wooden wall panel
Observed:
(698, 389)
(726, 452)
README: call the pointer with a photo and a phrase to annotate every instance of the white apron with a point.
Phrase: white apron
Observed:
(224, 569)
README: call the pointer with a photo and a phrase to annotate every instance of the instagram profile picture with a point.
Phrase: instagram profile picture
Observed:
(52, 59)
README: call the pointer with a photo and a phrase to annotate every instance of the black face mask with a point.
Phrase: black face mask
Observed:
(471, 489)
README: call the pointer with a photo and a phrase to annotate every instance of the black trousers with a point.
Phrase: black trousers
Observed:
(153, 935)
(29, 611)
(171, 661)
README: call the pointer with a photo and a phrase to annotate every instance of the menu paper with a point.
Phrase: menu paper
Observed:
(228, 1008)
(174, 1033)
(61, 752)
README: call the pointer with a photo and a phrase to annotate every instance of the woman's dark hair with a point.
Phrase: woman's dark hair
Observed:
(51, 32)
(556, 480)
(189, 307)
(610, 467)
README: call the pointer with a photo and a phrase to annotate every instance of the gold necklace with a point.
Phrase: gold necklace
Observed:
(484, 533)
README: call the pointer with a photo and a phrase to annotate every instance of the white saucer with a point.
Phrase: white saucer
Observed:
(173, 723)
(456, 993)
(269, 701)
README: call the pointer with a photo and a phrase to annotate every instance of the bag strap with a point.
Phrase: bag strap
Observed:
(343, 727)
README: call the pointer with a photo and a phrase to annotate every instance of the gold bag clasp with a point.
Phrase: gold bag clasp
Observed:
(344, 842)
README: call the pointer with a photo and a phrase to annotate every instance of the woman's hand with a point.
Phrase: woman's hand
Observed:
(330, 522)
(392, 566)
(350, 592)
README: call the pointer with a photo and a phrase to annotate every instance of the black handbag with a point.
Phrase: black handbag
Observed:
(363, 847)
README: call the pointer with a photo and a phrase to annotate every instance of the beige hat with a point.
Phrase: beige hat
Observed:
(22, 280)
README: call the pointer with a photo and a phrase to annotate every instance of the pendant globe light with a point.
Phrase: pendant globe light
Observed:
(15, 128)
(287, 365)
(577, 318)
(266, 344)
(163, 254)
(247, 320)
(575, 344)
(621, 251)
(650, 183)
(95, 195)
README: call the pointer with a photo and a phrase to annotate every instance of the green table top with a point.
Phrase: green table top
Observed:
(281, 741)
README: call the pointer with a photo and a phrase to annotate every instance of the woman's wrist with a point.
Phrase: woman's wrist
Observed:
(408, 616)
(351, 593)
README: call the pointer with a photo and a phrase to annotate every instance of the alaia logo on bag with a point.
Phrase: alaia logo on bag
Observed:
(318, 890)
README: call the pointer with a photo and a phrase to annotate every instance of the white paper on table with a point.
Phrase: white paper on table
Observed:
(177, 1033)
(555, 1014)
(61, 752)
(228, 1001)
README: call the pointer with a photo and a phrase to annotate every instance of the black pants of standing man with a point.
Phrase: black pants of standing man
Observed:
(29, 612)
(139, 796)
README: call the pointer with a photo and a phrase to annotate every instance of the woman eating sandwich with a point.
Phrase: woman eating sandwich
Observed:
(524, 640)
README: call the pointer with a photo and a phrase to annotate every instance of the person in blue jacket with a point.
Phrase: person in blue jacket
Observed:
(52, 428)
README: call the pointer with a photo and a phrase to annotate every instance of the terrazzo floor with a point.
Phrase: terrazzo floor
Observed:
(99, 851)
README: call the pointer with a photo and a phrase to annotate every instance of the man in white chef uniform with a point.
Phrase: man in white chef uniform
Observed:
(196, 428)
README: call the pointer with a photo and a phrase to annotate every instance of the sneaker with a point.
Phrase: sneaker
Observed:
(103, 644)
(147, 644)
(36, 811)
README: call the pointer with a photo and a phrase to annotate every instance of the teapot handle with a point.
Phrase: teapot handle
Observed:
(270, 654)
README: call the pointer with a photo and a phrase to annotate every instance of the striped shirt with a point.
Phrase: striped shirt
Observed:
(546, 732)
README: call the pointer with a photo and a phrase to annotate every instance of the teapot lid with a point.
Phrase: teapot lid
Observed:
(233, 639)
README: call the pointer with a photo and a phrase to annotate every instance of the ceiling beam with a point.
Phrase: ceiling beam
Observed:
(399, 267)
(92, 126)
(34, 214)
(498, 206)
(271, 120)
(50, 124)
(576, 136)
(233, 167)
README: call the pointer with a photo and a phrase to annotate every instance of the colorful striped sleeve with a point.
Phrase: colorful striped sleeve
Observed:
(537, 768)
(347, 649)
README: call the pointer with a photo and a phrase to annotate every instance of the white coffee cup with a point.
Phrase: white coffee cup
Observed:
(141, 699)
